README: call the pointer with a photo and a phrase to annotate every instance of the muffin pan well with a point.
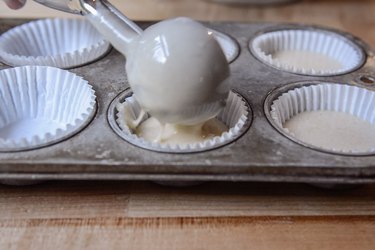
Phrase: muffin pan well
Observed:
(63, 43)
(41, 105)
(331, 117)
(261, 153)
(236, 115)
(310, 51)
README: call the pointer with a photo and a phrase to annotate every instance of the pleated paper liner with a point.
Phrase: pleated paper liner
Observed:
(62, 43)
(228, 45)
(308, 52)
(328, 117)
(236, 115)
(42, 105)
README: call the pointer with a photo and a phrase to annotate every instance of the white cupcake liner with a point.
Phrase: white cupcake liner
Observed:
(228, 45)
(336, 47)
(62, 43)
(42, 105)
(236, 115)
(356, 101)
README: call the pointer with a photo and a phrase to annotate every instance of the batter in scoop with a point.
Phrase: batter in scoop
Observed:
(333, 130)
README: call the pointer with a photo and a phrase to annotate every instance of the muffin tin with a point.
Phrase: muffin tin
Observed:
(262, 153)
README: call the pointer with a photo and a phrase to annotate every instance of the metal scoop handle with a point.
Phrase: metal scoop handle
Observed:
(108, 20)
(71, 6)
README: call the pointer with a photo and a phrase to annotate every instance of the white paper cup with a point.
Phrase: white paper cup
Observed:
(62, 43)
(41, 105)
(236, 116)
(351, 101)
(308, 52)
(228, 45)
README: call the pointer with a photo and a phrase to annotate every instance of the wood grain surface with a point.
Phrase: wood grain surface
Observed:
(143, 215)
(147, 200)
(192, 233)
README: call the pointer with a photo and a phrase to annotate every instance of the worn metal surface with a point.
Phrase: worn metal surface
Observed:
(261, 154)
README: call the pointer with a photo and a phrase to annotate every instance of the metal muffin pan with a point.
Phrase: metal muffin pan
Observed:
(260, 154)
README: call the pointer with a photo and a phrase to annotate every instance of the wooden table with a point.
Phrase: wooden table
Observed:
(143, 215)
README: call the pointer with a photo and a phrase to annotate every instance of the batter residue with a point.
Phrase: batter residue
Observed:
(307, 60)
(333, 130)
(154, 131)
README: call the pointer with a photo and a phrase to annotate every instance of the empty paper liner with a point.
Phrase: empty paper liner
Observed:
(236, 115)
(63, 43)
(227, 44)
(308, 52)
(42, 105)
(331, 117)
